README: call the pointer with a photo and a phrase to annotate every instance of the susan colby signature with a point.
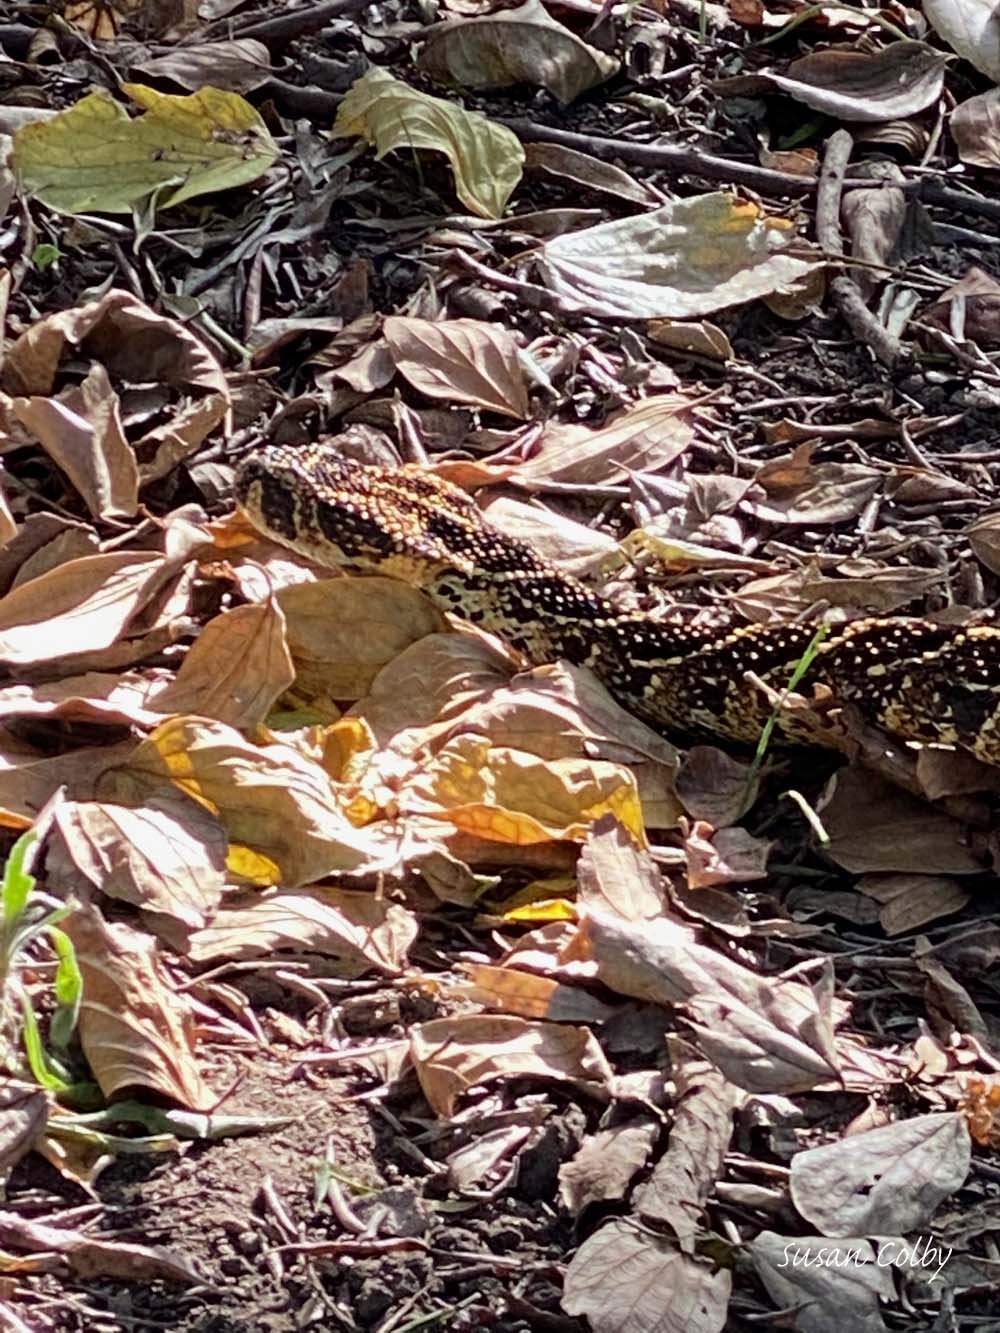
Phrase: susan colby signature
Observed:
(892, 1253)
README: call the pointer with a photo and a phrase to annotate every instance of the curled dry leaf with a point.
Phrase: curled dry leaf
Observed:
(130, 340)
(626, 1277)
(969, 309)
(95, 156)
(111, 699)
(522, 45)
(886, 1181)
(487, 159)
(170, 860)
(529, 996)
(236, 668)
(136, 1030)
(451, 1055)
(508, 796)
(874, 826)
(280, 809)
(461, 360)
(361, 931)
(82, 433)
(854, 85)
(728, 856)
(682, 1180)
(971, 29)
(714, 787)
(692, 257)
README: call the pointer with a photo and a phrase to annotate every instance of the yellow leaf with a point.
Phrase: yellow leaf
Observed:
(510, 796)
(95, 156)
(487, 159)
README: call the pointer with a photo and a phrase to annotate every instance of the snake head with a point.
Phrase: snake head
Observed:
(395, 521)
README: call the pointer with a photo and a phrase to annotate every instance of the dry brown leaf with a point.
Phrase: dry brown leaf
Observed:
(840, 1284)
(418, 694)
(590, 173)
(509, 796)
(969, 309)
(166, 445)
(278, 807)
(765, 1035)
(614, 875)
(114, 700)
(29, 779)
(90, 1256)
(236, 668)
(975, 127)
(240, 65)
(361, 931)
(698, 338)
(120, 331)
(342, 632)
(715, 788)
(971, 28)
(451, 1055)
(136, 1029)
(605, 1164)
(691, 257)
(644, 437)
(874, 221)
(511, 46)
(804, 492)
(886, 1181)
(529, 996)
(561, 712)
(858, 86)
(42, 542)
(728, 856)
(910, 901)
(170, 860)
(682, 1180)
(460, 360)
(81, 606)
(578, 550)
(24, 1112)
(873, 826)
(624, 1277)
(82, 433)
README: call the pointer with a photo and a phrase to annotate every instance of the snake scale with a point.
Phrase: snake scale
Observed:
(916, 679)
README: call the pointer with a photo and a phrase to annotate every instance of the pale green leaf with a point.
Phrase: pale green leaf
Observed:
(96, 157)
(487, 159)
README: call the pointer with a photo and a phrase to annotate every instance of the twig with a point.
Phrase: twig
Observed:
(669, 157)
(844, 290)
(299, 22)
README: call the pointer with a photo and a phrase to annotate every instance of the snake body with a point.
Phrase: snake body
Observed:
(916, 679)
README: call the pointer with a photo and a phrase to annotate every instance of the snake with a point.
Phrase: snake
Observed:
(920, 681)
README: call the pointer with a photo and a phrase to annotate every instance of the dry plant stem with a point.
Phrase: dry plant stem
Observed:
(782, 184)
(300, 22)
(844, 290)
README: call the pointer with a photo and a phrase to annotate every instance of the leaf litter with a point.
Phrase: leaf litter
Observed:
(523, 1015)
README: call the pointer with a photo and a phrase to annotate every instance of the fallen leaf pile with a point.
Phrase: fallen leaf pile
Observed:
(525, 1014)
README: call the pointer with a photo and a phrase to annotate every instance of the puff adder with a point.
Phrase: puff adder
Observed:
(921, 681)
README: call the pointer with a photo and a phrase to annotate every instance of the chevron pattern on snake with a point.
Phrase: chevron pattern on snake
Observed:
(919, 680)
